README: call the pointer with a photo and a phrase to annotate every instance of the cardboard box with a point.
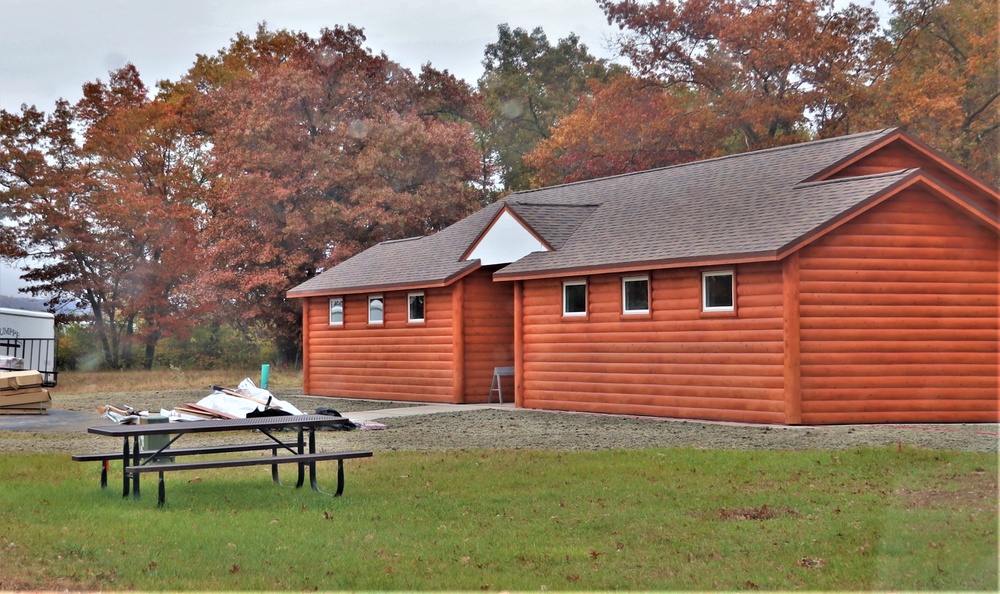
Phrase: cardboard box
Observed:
(15, 380)
(22, 398)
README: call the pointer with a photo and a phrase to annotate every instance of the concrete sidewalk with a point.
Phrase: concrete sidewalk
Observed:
(422, 409)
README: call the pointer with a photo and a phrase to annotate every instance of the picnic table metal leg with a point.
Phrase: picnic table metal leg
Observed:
(312, 465)
(162, 491)
(302, 470)
(274, 468)
(135, 462)
(340, 478)
(126, 456)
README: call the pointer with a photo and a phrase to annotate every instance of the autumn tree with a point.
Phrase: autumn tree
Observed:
(319, 149)
(527, 86)
(942, 80)
(652, 127)
(110, 217)
(770, 71)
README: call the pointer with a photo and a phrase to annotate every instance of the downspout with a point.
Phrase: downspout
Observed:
(791, 334)
(519, 344)
(458, 342)
(306, 383)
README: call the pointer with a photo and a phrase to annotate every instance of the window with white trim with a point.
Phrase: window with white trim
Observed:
(376, 309)
(336, 311)
(718, 290)
(415, 307)
(635, 295)
(575, 298)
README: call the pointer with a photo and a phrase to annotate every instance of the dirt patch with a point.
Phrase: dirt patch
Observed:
(762, 512)
(973, 492)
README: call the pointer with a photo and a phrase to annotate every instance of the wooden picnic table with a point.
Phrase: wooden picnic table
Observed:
(300, 449)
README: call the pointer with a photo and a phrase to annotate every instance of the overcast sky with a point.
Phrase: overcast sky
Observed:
(50, 48)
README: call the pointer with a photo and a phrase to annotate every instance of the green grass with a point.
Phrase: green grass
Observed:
(868, 519)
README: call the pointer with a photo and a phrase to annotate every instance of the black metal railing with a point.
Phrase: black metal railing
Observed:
(35, 353)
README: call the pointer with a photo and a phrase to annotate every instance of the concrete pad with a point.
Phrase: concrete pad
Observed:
(424, 409)
(58, 420)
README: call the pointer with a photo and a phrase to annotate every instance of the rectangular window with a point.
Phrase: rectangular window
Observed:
(718, 289)
(575, 298)
(635, 295)
(376, 307)
(416, 307)
(336, 311)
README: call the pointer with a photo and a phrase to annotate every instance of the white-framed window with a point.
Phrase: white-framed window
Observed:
(415, 307)
(575, 298)
(635, 295)
(718, 290)
(336, 311)
(376, 309)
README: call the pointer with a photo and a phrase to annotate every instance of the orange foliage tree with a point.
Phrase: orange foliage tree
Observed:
(319, 148)
(768, 70)
(113, 220)
(942, 80)
(653, 127)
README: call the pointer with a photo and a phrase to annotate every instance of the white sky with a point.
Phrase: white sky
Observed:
(50, 48)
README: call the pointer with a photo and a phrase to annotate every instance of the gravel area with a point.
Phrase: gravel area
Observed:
(528, 429)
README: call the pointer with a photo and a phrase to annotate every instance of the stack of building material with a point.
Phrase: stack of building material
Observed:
(21, 393)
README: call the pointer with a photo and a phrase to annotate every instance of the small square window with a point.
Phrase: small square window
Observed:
(376, 307)
(336, 311)
(718, 291)
(635, 295)
(575, 298)
(416, 307)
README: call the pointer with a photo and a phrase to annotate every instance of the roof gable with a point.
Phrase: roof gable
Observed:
(901, 150)
(506, 240)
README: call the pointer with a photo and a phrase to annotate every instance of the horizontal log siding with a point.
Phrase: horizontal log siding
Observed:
(489, 333)
(899, 317)
(394, 361)
(674, 362)
(899, 155)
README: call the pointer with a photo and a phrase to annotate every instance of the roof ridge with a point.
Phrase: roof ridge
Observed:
(550, 204)
(388, 241)
(837, 180)
(772, 149)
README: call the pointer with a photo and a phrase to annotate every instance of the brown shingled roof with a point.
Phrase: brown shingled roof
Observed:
(750, 205)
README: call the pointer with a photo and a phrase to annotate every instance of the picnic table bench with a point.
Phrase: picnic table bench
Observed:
(299, 450)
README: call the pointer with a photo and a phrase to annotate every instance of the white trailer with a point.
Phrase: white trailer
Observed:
(28, 341)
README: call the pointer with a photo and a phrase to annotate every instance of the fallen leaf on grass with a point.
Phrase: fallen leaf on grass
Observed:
(327, 516)
(196, 479)
(234, 569)
(811, 563)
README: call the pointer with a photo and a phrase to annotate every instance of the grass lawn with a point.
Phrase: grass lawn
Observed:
(870, 519)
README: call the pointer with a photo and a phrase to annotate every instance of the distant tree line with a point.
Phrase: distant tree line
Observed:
(186, 214)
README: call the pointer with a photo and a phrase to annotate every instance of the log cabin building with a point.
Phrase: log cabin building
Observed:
(847, 280)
